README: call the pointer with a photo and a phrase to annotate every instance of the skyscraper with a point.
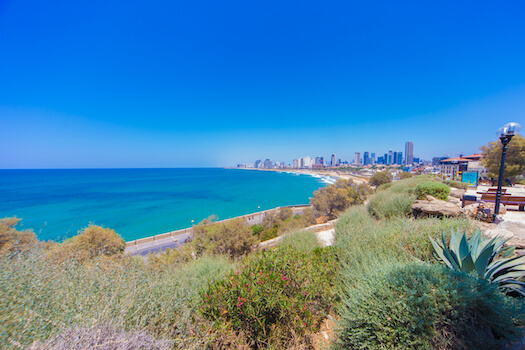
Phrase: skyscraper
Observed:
(399, 160)
(333, 160)
(390, 154)
(372, 158)
(366, 158)
(357, 159)
(409, 153)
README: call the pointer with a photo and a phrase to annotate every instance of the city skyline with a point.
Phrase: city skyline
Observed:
(207, 84)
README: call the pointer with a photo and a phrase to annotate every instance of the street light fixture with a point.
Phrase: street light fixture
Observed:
(505, 134)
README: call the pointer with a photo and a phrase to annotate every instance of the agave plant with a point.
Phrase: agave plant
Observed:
(488, 257)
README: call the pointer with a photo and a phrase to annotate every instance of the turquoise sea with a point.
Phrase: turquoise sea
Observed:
(138, 203)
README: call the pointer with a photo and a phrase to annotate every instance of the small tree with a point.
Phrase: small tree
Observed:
(405, 175)
(233, 238)
(12, 240)
(514, 161)
(380, 178)
(332, 200)
(90, 242)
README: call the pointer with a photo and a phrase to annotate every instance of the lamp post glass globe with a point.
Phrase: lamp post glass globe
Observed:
(509, 129)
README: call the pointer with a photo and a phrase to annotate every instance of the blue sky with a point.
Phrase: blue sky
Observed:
(215, 83)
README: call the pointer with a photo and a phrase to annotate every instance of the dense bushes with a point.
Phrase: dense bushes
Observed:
(388, 204)
(334, 199)
(275, 296)
(39, 298)
(392, 302)
(435, 189)
(282, 221)
(422, 306)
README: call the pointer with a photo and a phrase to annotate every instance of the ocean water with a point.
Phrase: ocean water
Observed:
(137, 203)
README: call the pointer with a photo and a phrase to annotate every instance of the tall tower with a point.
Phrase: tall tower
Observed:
(357, 159)
(333, 160)
(366, 158)
(409, 153)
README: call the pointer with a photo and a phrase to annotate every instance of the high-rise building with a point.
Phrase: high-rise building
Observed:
(372, 158)
(333, 160)
(366, 159)
(357, 159)
(257, 163)
(390, 155)
(409, 153)
(399, 160)
(296, 163)
(319, 160)
(394, 158)
(385, 159)
(380, 160)
(268, 164)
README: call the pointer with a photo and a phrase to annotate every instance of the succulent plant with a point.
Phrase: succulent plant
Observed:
(488, 257)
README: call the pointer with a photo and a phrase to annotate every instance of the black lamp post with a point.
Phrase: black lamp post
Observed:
(505, 134)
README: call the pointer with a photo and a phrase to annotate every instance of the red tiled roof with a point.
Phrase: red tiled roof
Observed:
(455, 159)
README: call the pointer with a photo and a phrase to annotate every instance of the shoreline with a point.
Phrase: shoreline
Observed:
(318, 173)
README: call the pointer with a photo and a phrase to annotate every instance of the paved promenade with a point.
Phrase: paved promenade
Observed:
(174, 239)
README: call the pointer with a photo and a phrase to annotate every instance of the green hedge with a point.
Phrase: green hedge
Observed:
(456, 184)
(435, 189)
(385, 205)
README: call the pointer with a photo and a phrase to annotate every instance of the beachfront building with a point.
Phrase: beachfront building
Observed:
(296, 163)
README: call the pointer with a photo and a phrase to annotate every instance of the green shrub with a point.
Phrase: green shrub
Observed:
(456, 184)
(422, 306)
(405, 175)
(90, 242)
(380, 178)
(384, 187)
(385, 205)
(332, 200)
(232, 238)
(435, 189)
(303, 240)
(276, 295)
(13, 241)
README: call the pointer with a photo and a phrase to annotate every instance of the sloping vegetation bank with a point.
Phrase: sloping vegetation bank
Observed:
(380, 282)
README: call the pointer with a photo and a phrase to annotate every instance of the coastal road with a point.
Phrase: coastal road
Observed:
(159, 245)
(174, 239)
